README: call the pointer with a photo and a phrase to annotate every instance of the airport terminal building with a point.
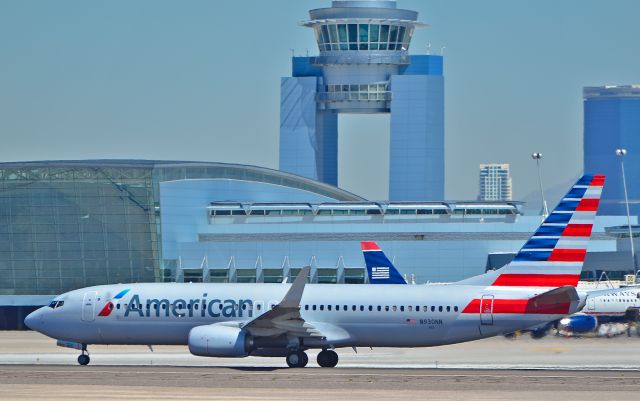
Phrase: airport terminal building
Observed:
(71, 224)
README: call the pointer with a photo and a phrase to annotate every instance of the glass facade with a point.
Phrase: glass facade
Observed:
(369, 36)
(66, 227)
(336, 93)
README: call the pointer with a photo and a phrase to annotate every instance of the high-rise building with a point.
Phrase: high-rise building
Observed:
(612, 121)
(364, 66)
(495, 182)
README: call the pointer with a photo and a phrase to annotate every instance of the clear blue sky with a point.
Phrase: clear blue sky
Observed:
(199, 80)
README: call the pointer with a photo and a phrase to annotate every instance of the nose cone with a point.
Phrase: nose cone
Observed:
(34, 320)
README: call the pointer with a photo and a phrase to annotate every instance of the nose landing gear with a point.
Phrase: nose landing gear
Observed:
(84, 359)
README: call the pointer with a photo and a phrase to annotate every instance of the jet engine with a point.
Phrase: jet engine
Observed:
(578, 323)
(219, 341)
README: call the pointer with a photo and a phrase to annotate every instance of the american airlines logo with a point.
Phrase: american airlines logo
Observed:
(379, 273)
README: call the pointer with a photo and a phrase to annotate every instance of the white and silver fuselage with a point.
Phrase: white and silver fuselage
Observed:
(346, 315)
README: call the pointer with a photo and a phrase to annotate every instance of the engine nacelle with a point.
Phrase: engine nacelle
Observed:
(219, 341)
(578, 323)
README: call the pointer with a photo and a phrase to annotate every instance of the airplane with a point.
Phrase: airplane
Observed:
(620, 305)
(285, 320)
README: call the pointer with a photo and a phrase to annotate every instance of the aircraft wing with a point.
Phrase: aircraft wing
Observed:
(285, 317)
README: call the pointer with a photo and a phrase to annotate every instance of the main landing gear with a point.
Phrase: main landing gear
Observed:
(84, 359)
(297, 359)
(327, 358)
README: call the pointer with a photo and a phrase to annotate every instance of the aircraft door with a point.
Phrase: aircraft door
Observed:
(591, 304)
(88, 306)
(486, 310)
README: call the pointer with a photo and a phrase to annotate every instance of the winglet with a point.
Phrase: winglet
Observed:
(294, 295)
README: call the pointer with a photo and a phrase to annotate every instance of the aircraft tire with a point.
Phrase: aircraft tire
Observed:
(327, 359)
(298, 359)
(84, 359)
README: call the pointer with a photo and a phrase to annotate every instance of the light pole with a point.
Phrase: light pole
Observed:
(537, 157)
(621, 153)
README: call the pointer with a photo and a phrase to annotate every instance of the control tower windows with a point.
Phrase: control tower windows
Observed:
(393, 35)
(353, 36)
(344, 37)
(374, 36)
(384, 36)
(363, 30)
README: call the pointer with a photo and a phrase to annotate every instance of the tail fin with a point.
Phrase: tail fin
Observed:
(554, 255)
(379, 267)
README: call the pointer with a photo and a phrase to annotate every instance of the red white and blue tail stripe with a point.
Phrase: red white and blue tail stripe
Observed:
(554, 255)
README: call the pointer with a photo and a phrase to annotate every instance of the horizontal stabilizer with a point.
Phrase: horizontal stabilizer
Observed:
(562, 300)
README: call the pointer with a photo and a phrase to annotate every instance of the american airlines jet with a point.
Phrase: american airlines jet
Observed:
(285, 320)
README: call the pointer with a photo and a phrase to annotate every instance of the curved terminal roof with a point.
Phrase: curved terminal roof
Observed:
(171, 170)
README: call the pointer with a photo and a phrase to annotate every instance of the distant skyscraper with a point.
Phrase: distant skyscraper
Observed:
(612, 121)
(364, 67)
(495, 182)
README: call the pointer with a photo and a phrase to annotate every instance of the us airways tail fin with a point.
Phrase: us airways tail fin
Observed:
(379, 267)
(554, 255)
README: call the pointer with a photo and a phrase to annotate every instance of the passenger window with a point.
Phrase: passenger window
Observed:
(259, 306)
(361, 308)
(118, 306)
(395, 308)
(402, 308)
(439, 308)
(313, 307)
(306, 307)
(424, 308)
(321, 307)
(433, 308)
(386, 308)
(345, 308)
(379, 308)
(455, 308)
(328, 307)
(338, 308)
(410, 308)
(370, 308)
(353, 308)
(196, 306)
(448, 309)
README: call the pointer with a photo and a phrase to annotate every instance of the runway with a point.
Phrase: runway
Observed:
(33, 368)
(49, 382)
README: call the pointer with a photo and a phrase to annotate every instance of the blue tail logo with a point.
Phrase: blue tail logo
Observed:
(379, 267)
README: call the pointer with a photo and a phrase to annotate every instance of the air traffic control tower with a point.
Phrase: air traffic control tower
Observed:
(364, 66)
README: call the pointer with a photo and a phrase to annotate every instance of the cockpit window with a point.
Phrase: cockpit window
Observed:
(56, 304)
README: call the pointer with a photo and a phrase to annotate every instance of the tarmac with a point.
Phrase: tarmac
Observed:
(33, 368)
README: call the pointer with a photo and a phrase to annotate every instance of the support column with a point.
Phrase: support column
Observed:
(416, 162)
(308, 136)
